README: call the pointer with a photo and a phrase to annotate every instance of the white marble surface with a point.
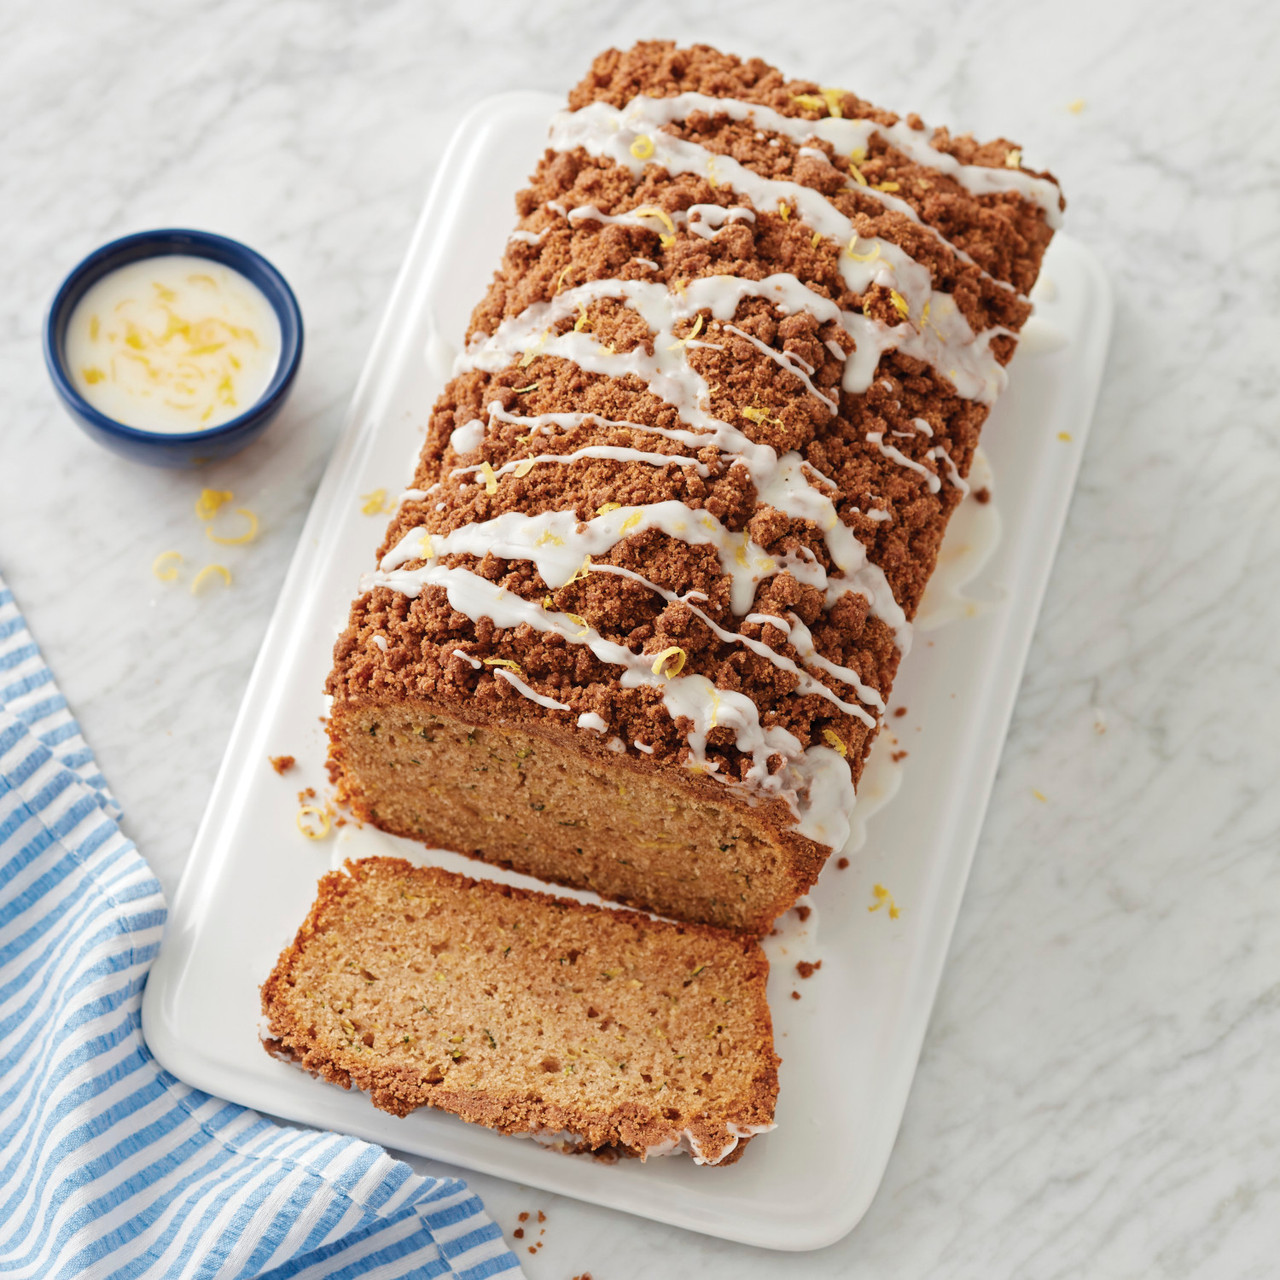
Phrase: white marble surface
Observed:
(1098, 1094)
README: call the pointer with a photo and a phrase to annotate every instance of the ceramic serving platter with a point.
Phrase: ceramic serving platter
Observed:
(850, 1044)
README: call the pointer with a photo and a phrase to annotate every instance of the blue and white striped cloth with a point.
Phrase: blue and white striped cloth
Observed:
(109, 1166)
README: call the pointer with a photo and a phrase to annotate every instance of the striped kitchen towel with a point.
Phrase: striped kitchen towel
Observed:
(109, 1166)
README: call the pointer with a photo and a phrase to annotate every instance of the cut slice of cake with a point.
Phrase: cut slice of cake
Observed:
(635, 626)
(587, 1028)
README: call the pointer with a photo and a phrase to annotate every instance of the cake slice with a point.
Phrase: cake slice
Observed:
(586, 1028)
(636, 623)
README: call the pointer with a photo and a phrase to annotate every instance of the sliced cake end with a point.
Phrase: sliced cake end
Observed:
(587, 1028)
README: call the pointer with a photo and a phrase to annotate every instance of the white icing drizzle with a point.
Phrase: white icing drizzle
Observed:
(467, 438)
(684, 1143)
(814, 782)
(414, 495)
(646, 262)
(562, 1140)
(706, 219)
(380, 641)
(802, 638)
(939, 454)
(519, 685)
(805, 683)
(640, 746)
(702, 220)
(528, 237)
(894, 454)
(466, 657)
(847, 134)
(787, 360)
(943, 338)
(615, 452)
(558, 544)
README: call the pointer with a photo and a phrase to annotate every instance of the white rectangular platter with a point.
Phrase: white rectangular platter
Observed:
(850, 1044)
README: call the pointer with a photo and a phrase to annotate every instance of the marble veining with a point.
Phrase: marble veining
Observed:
(1098, 1094)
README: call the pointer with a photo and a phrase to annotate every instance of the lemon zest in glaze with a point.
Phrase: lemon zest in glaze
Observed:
(247, 536)
(642, 147)
(164, 571)
(630, 522)
(581, 572)
(693, 333)
(375, 503)
(712, 180)
(582, 321)
(580, 621)
(834, 99)
(1076, 106)
(809, 101)
(93, 374)
(817, 239)
(851, 250)
(198, 581)
(653, 211)
(899, 302)
(531, 351)
(1014, 159)
(670, 662)
(322, 825)
(607, 507)
(425, 550)
(548, 537)
(833, 739)
(883, 897)
(490, 479)
(209, 502)
(504, 662)
(522, 469)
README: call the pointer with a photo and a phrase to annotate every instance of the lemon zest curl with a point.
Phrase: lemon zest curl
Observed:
(322, 827)
(248, 536)
(166, 572)
(210, 500)
(670, 662)
(198, 581)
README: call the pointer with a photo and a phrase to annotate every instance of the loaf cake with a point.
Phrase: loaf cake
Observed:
(586, 1028)
(635, 624)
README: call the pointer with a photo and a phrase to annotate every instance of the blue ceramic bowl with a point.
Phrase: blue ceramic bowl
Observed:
(192, 448)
